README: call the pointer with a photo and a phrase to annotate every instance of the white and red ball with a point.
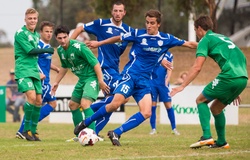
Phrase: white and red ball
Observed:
(87, 137)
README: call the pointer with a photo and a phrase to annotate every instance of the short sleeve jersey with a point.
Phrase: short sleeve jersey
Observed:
(225, 53)
(25, 64)
(44, 62)
(109, 54)
(79, 59)
(160, 72)
(147, 50)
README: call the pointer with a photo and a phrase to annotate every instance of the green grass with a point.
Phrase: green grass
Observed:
(136, 144)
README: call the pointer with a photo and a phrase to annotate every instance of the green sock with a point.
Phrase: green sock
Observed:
(89, 112)
(220, 123)
(28, 108)
(204, 116)
(76, 116)
(34, 118)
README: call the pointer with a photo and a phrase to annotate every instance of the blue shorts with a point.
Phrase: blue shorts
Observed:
(111, 78)
(46, 96)
(133, 85)
(160, 91)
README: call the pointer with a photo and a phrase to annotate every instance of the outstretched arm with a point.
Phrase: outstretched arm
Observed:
(103, 86)
(192, 74)
(59, 77)
(77, 32)
(95, 44)
(190, 44)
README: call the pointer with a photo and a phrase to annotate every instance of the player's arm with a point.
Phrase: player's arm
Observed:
(54, 68)
(37, 51)
(167, 80)
(103, 86)
(190, 44)
(77, 32)
(59, 77)
(192, 74)
(95, 44)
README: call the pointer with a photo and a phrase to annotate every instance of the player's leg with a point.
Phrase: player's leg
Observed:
(154, 95)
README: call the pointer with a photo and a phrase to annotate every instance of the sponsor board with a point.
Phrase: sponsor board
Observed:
(186, 111)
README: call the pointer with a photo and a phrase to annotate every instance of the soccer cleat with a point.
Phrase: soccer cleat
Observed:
(28, 135)
(153, 132)
(114, 138)
(36, 136)
(74, 139)
(202, 142)
(215, 145)
(19, 135)
(79, 127)
(175, 132)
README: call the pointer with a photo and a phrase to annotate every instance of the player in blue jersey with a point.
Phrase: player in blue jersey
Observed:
(108, 55)
(149, 46)
(44, 65)
(160, 89)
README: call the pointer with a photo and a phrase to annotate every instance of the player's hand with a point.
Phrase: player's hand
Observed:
(176, 90)
(54, 88)
(104, 87)
(166, 64)
(92, 44)
(42, 76)
(237, 101)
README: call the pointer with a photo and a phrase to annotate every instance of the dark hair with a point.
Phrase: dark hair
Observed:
(46, 23)
(154, 13)
(118, 2)
(204, 21)
(61, 29)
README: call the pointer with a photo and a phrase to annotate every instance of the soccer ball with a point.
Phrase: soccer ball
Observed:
(87, 137)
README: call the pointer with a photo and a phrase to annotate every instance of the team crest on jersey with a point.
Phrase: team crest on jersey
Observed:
(160, 42)
(72, 56)
(30, 38)
(109, 30)
(144, 41)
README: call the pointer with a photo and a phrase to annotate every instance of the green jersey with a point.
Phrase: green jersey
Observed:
(225, 53)
(79, 59)
(26, 64)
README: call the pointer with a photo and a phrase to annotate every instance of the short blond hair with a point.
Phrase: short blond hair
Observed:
(31, 11)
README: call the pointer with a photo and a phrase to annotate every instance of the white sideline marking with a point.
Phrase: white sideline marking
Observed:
(178, 156)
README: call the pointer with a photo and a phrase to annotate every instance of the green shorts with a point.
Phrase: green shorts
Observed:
(29, 83)
(87, 88)
(225, 90)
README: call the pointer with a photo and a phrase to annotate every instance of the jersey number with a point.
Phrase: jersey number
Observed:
(125, 88)
(231, 46)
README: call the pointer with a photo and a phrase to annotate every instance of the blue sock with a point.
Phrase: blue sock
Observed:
(97, 115)
(171, 117)
(101, 122)
(131, 123)
(97, 105)
(45, 111)
(22, 125)
(153, 118)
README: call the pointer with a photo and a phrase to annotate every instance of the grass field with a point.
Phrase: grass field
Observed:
(136, 144)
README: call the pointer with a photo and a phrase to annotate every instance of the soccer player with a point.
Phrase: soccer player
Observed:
(160, 89)
(83, 63)
(108, 55)
(224, 89)
(149, 46)
(27, 73)
(44, 65)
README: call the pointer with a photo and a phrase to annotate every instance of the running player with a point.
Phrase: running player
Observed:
(224, 89)
(149, 46)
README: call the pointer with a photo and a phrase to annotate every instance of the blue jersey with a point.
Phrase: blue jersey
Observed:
(147, 51)
(44, 62)
(159, 73)
(109, 54)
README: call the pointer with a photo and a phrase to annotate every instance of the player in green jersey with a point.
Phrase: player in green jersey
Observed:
(82, 62)
(224, 89)
(27, 73)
